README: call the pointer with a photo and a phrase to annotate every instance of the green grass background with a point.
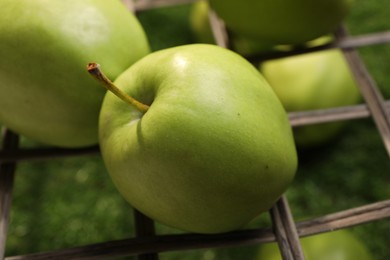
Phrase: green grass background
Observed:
(72, 202)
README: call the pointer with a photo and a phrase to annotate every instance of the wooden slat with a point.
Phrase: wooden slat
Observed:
(370, 92)
(164, 243)
(218, 29)
(341, 43)
(280, 234)
(7, 172)
(331, 114)
(144, 227)
(130, 5)
(363, 40)
(31, 154)
(344, 219)
(285, 231)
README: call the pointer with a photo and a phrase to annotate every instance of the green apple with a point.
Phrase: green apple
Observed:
(214, 149)
(282, 22)
(201, 29)
(248, 47)
(44, 46)
(336, 245)
(199, 22)
(312, 81)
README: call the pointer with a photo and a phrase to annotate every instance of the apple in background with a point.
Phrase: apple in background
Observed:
(199, 22)
(282, 22)
(312, 81)
(44, 46)
(336, 245)
(214, 149)
(201, 29)
(248, 47)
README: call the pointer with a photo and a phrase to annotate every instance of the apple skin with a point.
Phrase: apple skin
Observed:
(45, 93)
(282, 22)
(199, 22)
(201, 29)
(312, 81)
(340, 245)
(215, 148)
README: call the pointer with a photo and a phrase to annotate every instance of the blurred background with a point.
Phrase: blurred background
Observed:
(72, 202)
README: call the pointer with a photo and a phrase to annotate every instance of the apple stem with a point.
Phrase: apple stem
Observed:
(94, 70)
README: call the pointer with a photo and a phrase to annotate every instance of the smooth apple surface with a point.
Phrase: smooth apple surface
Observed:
(201, 29)
(282, 22)
(199, 22)
(215, 148)
(313, 81)
(340, 245)
(45, 93)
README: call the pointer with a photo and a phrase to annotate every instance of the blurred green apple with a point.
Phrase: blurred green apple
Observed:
(215, 148)
(44, 46)
(201, 29)
(336, 245)
(312, 81)
(248, 47)
(282, 22)
(199, 22)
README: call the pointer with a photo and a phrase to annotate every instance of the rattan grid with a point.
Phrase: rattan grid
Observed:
(147, 244)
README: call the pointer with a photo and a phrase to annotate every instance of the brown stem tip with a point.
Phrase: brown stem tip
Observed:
(94, 71)
(92, 66)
